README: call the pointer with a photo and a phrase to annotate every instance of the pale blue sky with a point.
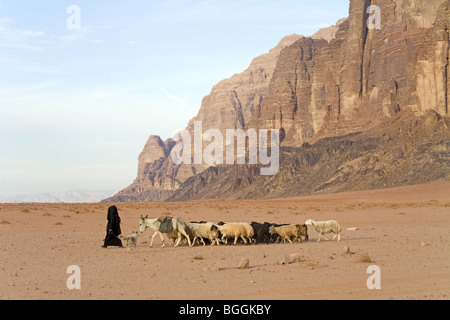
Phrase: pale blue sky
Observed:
(77, 106)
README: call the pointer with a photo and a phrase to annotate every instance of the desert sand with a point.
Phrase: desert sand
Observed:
(404, 231)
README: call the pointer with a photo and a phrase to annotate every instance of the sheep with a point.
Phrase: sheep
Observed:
(249, 231)
(275, 237)
(286, 232)
(205, 230)
(262, 234)
(303, 232)
(215, 235)
(173, 237)
(233, 230)
(326, 227)
(261, 231)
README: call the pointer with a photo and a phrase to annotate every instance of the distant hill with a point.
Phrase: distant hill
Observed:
(78, 196)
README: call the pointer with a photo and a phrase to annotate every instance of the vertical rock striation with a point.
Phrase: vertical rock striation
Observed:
(348, 78)
(364, 75)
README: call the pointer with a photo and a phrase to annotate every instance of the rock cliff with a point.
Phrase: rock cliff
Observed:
(232, 102)
(335, 95)
(230, 105)
(364, 75)
(404, 150)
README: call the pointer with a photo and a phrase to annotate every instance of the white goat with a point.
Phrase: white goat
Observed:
(326, 227)
(233, 230)
(204, 230)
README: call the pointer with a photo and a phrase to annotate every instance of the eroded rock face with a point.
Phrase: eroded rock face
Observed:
(229, 106)
(232, 102)
(288, 104)
(404, 150)
(154, 151)
(363, 76)
(345, 79)
(432, 66)
(329, 33)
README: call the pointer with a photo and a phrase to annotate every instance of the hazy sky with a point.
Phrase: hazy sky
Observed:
(78, 102)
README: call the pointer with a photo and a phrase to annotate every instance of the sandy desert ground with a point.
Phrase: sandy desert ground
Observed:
(405, 231)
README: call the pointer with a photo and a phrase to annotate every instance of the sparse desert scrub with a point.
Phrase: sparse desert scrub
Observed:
(198, 257)
(365, 258)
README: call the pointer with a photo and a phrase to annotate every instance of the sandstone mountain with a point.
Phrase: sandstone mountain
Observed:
(404, 150)
(340, 99)
(230, 104)
(364, 76)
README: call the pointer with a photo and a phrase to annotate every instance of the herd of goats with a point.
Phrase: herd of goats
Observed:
(177, 230)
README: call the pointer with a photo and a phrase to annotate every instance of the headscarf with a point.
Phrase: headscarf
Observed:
(112, 211)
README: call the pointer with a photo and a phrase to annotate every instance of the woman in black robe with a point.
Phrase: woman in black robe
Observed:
(113, 229)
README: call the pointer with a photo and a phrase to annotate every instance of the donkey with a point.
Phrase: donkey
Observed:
(179, 226)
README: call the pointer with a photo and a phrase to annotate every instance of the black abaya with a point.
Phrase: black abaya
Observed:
(113, 229)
